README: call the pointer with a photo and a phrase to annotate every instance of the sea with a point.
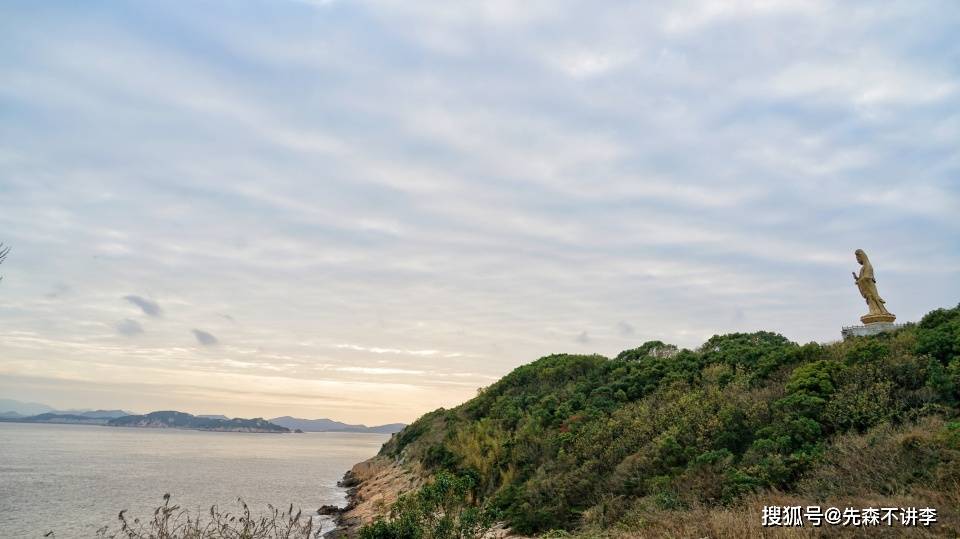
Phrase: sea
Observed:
(75, 479)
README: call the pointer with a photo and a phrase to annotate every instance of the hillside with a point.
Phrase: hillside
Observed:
(667, 442)
(180, 420)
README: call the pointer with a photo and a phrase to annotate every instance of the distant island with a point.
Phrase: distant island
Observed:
(51, 417)
(329, 425)
(154, 420)
(12, 411)
(180, 420)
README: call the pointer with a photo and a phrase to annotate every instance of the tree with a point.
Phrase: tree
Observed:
(4, 251)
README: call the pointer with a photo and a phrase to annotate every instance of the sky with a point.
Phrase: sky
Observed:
(366, 210)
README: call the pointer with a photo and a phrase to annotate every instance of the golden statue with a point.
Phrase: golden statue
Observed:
(868, 289)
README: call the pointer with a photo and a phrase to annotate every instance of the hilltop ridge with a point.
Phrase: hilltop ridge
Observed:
(666, 441)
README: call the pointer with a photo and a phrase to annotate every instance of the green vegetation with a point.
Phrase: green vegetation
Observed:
(694, 440)
(444, 508)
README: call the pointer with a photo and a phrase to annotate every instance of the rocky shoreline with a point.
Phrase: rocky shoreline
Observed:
(372, 487)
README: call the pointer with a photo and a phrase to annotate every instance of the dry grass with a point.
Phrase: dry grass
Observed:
(172, 522)
(745, 520)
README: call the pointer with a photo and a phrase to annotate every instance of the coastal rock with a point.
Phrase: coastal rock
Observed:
(329, 510)
(349, 480)
(374, 485)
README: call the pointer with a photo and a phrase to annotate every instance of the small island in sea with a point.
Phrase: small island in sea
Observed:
(181, 420)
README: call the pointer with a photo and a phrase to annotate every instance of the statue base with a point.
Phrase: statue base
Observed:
(887, 318)
(872, 328)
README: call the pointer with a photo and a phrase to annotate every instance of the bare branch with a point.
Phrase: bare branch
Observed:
(4, 251)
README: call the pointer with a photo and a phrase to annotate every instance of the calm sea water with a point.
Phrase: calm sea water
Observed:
(73, 479)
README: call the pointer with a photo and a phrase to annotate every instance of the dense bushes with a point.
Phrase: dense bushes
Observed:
(573, 440)
(443, 509)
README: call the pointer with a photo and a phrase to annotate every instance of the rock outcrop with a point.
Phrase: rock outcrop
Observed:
(373, 485)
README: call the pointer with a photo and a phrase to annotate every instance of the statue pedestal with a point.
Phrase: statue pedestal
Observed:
(870, 319)
(871, 328)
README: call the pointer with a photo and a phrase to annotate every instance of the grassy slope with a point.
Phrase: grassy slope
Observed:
(663, 441)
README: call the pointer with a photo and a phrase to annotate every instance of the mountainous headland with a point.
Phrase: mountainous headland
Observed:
(661, 441)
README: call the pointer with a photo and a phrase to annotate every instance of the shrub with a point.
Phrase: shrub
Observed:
(442, 509)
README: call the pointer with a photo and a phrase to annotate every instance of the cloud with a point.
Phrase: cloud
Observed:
(129, 327)
(149, 307)
(205, 338)
(625, 329)
(397, 351)
(583, 338)
(586, 64)
(58, 290)
(696, 15)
